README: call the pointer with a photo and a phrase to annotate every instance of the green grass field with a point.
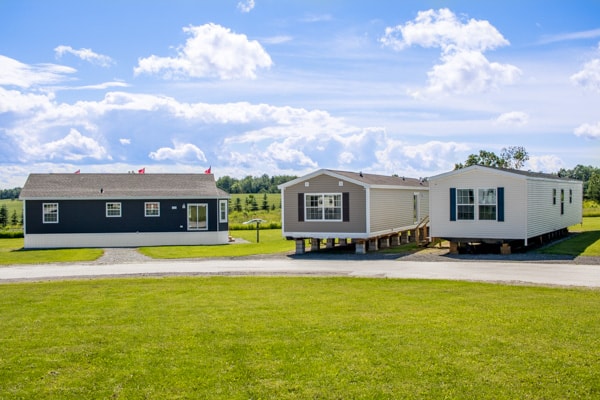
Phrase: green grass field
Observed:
(296, 338)
(586, 243)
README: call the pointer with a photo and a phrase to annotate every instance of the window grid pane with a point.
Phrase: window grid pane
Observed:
(50, 213)
(113, 209)
(465, 200)
(323, 207)
(152, 209)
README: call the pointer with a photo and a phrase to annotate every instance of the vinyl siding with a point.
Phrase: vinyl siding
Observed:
(515, 206)
(543, 215)
(392, 209)
(324, 184)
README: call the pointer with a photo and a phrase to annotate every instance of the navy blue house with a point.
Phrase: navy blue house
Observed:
(123, 210)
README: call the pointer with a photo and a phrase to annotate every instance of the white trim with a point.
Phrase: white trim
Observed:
(323, 207)
(221, 219)
(77, 240)
(146, 210)
(113, 202)
(205, 205)
(44, 213)
(348, 235)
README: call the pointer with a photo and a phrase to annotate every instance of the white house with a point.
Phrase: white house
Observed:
(491, 205)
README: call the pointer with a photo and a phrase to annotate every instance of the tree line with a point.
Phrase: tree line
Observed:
(10, 193)
(590, 177)
(252, 184)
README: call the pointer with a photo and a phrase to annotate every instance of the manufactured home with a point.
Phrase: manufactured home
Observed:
(370, 210)
(481, 204)
(123, 210)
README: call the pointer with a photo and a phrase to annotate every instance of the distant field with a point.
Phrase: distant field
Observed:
(12, 206)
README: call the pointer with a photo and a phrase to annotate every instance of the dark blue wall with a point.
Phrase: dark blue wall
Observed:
(89, 216)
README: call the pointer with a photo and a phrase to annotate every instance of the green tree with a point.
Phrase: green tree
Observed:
(511, 157)
(3, 215)
(593, 188)
(238, 204)
(14, 218)
(265, 203)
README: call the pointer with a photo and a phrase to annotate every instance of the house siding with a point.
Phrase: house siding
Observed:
(324, 184)
(543, 215)
(89, 216)
(514, 225)
(392, 209)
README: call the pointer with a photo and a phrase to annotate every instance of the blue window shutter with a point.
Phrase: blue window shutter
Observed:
(500, 204)
(452, 204)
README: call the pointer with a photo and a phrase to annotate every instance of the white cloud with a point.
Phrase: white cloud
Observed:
(277, 39)
(464, 68)
(589, 131)
(547, 163)
(211, 51)
(15, 73)
(398, 156)
(84, 54)
(125, 141)
(589, 76)
(245, 6)
(100, 86)
(73, 147)
(590, 34)
(517, 118)
(181, 152)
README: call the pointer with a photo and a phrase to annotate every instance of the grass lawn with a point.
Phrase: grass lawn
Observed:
(11, 252)
(296, 338)
(271, 242)
(586, 243)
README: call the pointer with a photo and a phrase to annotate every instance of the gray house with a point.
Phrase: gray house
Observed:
(371, 210)
(481, 204)
(123, 210)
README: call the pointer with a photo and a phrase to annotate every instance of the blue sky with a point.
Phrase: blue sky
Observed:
(287, 87)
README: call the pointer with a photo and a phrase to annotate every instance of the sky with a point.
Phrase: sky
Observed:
(253, 87)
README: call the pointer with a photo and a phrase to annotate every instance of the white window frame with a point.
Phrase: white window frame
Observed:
(487, 204)
(223, 210)
(190, 226)
(322, 208)
(111, 208)
(470, 205)
(49, 209)
(152, 209)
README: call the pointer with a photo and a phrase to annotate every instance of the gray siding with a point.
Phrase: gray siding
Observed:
(324, 184)
(392, 209)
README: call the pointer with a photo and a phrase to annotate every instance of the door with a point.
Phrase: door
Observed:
(197, 217)
(416, 208)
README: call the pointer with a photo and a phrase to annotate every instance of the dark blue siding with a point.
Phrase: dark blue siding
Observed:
(89, 216)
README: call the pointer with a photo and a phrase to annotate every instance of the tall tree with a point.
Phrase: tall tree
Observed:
(3, 215)
(593, 188)
(511, 157)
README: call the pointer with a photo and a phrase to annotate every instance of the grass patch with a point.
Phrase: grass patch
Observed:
(12, 252)
(297, 338)
(271, 242)
(585, 243)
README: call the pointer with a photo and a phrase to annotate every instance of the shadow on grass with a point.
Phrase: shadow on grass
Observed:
(575, 245)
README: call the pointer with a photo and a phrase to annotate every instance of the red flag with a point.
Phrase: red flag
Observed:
(78, 171)
(142, 171)
(207, 171)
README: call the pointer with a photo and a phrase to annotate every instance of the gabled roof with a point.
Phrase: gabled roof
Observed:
(364, 179)
(120, 186)
(505, 171)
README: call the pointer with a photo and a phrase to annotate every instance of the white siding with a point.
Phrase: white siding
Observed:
(392, 209)
(515, 206)
(67, 240)
(545, 216)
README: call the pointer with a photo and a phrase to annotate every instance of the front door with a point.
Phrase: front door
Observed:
(197, 217)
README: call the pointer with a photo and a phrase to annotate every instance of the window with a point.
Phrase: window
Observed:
(197, 217)
(487, 204)
(465, 202)
(152, 209)
(50, 213)
(553, 196)
(562, 201)
(223, 210)
(570, 196)
(113, 209)
(323, 207)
